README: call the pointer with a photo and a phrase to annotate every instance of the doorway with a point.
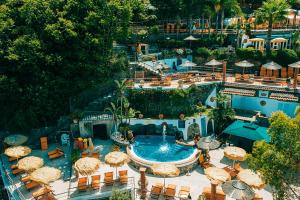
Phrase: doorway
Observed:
(100, 131)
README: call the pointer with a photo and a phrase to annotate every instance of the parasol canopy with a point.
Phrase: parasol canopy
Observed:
(217, 174)
(244, 64)
(213, 62)
(235, 153)
(30, 163)
(188, 64)
(15, 139)
(162, 66)
(190, 38)
(295, 65)
(87, 166)
(272, 66)
(165, 170)
(17, 151)
(208, 143)
(45, 175)
(238, 190)
(116, 158)
(251, 178)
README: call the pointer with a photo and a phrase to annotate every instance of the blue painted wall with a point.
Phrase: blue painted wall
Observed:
(253, 103)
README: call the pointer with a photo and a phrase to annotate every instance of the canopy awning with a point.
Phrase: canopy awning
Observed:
(250, 131)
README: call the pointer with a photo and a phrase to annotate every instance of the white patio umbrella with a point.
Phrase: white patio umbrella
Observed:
(272, 66)
(190, 38)
(213, 63)
(188, 64)
(244, 64)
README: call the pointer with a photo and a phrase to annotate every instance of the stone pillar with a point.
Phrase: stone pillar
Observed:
(143, 183)
(213, 190)
(296, 77)
(224, 70)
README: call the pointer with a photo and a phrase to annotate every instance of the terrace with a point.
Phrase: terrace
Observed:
(66, 186)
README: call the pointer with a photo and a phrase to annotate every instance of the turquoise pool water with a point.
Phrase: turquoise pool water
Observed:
(160, 149)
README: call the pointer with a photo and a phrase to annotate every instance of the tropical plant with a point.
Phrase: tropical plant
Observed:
(115, 112)
(270, 12)
(121, 87)
(120, 195)
(279, 160)
(222, 114)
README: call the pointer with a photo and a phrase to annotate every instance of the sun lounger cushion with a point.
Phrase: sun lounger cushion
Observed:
(31, 184)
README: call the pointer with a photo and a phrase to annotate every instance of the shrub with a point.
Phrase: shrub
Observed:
(203, 52)
(249, 53)
(120, 195)
(285, 57)
(220, 54)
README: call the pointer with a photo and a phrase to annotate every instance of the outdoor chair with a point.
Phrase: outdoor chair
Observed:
(109, 178)
(95, 155)
(17, 171)
(276, 73)
(123, 176)
(220, 195)
(290, 72)
(204, 164)
(184, 192)
(25, 179)
(269, 72)
(82, 183)
(41, 192)
(170, 191)
(231, 171)
(156, 190)
(263, 71)
(238, 77)
(31, 184)
(54, 151)
(96, 182)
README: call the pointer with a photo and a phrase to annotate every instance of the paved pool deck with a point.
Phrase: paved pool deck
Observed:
(196, 180)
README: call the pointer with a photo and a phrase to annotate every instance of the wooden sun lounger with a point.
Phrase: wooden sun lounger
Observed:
(41, 192)
(12, 159)
(156, 190)
(82, 183)
(54, 151)
(220, 195)
(96, 182)
(31, 184)
(25, 179)
(232, 172)
(84, 154)
(17, 171)
(109, 178)
(170, 191)
(56, 155)
(123, 175)
(14, 167)
(184, 192)
(95, 155)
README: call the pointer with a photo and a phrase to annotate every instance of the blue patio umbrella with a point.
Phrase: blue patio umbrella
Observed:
(249, 131)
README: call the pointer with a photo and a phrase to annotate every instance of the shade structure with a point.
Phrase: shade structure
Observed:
(217, 174)
(251, 178)
(87, 166)
(235, 153)
(295, 65)
(190, 38)
(15, 139)
(165, 170)
(238, 190)
(213, 62)
(250, 131)
(45, 175)
(279, 40)
(162, 66)
(17, 151)
(116, 158)
(30, 163)
(188, 64)
(272, 66)
(244, 64)
(208, 143)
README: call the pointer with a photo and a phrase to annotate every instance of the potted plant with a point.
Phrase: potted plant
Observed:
(181, 116)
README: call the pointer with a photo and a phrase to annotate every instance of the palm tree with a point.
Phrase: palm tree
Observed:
(271, 11)
(121, 87)
(114, 110)
(217, 8)
(232, 6)
(207, 12)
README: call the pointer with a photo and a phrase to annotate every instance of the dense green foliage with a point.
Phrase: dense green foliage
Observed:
(249, 53)
(171, 103)
(285, 57)
(120, 195)
(279, 160)
(51, 50)
(222, 114)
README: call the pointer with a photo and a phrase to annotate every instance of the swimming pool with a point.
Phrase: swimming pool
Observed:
(160, 149)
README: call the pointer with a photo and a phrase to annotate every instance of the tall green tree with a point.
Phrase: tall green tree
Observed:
(279, 160)
(51, 50)
(270, 12)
